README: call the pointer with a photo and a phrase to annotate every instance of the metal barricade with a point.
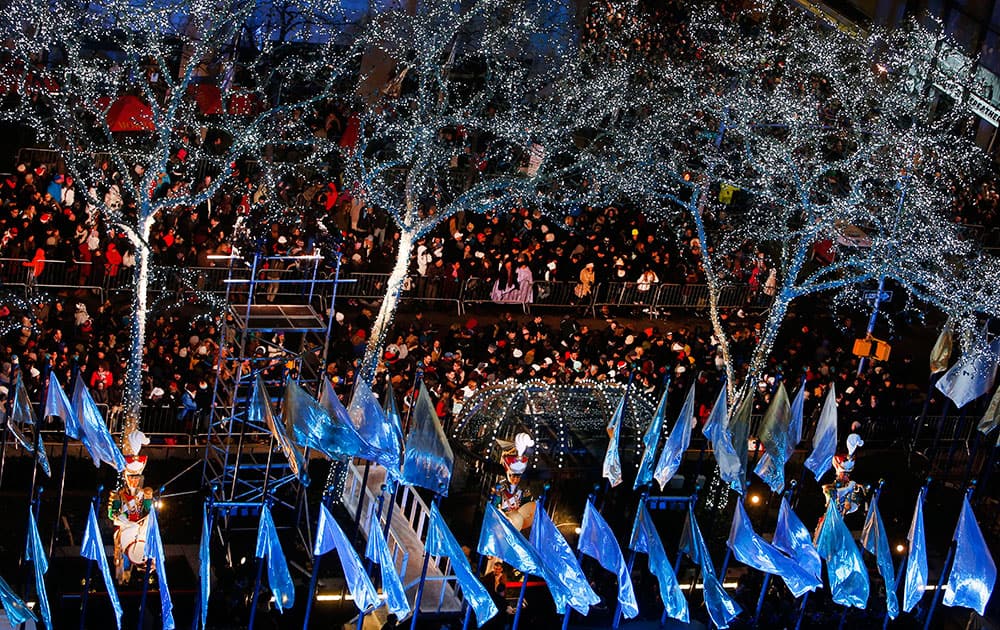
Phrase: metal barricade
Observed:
(632, 295)
(366, 286)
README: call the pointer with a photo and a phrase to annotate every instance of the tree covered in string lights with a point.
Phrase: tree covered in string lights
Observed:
(154, 108)
(486, 106)
(833, 142)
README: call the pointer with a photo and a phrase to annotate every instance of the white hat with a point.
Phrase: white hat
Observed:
(854, 441)
(517, 353)
(522, 442)
(157, 391)
(136, 440)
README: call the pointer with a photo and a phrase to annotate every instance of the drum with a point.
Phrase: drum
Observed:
(132, 538)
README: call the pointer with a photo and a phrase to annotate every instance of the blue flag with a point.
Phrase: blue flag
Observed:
(278, 577)
(21, 414)
(154, 550)
(795, 425)
(429, 461)
(651, 440)
(973, 573)
(716, 431)
(35, 553)
(330, 536)
(876, 542)
(645, 539)
(739, 433)
(500, 539)
(915, 581)
(973, 374)
(722, 609)
(612, 468)
(204, 569)
(440, 542)
(92, 548)
(845, 568)
(259, 413)
(825, 438)
(371, 423)
(599, 542)
(677, 443)
(377, 551)
(13, 606)
(754, 551)
(323, 427)
(94, 430)
(792, 538)
(560, 561)
(57, 404)
(775, 436)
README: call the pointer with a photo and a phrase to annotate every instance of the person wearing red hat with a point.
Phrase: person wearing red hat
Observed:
(128, 509)
(512, 498)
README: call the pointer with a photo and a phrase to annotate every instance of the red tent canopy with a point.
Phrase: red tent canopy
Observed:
(129, 113)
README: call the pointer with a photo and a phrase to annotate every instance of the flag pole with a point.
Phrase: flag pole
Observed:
(260, 570)
(479, 571)
(902, 562)
(417, 377)
(37, 441)
(788, 494)
(62, 473)
(631, 559)
(680, 557)
(579, 556)
(209, 514)
(423, 577)
(373, 522)
(946, 569)
(90, 569)
(524, 577)
(6, 424)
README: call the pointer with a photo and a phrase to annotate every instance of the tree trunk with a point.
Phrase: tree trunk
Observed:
(132, 395)
(713, 297)
(387, 312)
(775, 317)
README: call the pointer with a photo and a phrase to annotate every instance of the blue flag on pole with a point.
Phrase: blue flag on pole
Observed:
(973, 573)
(499, 538)
(57, 404)
(13, 606)
(259, 413)
(21, 414)
(154, 549)
(278, 577)
(875, 541)
(599, 542)
(677, 443)
(716, 431)
(560, 561)
(323, 427)
(973, 374)
(915, 581)
(845, 568)
(722, 609)
(795, 424)
(429, 461)
(792, 538)
(651, 440)
(825, 439)
(35, 553)
(382, 433)
(775, 436)
(330, 536)
(612, 468)
(645, 539)
(377, 551)
(440, 542)
(739, 434)
(94, 430)
(92, 548)
(204, 568)
(754, 551)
